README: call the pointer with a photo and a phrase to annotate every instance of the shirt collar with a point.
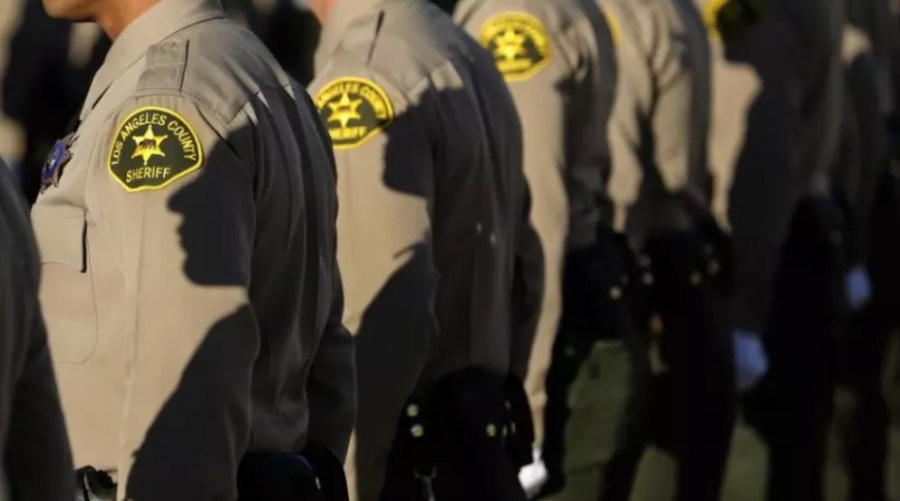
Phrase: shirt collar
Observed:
(153, 26)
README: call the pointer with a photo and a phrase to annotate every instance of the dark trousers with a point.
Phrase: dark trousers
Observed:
(603, 344)
(791, 408)
(596, 413)
(460, 452)
(864, 431)
(696, 399)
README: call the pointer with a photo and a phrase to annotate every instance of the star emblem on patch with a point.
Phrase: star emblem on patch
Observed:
(148, 145)
(153, 147)
(354, 110)
(519, 44)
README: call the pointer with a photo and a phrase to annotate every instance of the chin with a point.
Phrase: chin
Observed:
(68, 10)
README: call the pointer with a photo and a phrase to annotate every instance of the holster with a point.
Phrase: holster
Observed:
(454, 443)
(93, 485)
(314, 475)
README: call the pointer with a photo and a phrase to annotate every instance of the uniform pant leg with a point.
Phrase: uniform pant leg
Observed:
(604, 423)
(597, 412)
(864, 352)
(865, 432)
(696, 346)
(802, 344)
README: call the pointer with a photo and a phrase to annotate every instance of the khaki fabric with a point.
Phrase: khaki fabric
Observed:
(774, 133)
(564, 104)
(660, 124)
(433, 227)
(35, 463)
(190, 284)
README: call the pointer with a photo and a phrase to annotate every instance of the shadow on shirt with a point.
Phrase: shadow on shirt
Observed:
(243, 228)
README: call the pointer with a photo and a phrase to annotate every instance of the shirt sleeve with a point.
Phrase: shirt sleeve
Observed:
(177, 201)
(528, 289)
(332, 383)
(628, 129)
(385, 250)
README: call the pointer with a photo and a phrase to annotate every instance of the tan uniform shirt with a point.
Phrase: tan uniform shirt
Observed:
(660, 123)
(774, 132)
(35, 463)
(433, 211)
(557, 58)
(190, 284)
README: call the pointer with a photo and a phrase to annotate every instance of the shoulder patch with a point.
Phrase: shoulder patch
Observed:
(518, 42)
(354, 110)
(615, 28)
(728, 20)
(153, 148)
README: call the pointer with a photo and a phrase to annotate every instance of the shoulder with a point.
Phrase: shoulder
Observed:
(193, 100)
(390, 63)
(217, 66)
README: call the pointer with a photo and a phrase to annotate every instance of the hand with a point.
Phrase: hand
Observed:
(750, 360)
(859, 287)
(534, 476)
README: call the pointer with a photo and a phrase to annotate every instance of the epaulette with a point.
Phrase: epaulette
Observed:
(165, 66)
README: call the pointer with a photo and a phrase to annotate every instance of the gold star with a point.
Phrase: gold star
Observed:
(345, 110)
(510, 45)
(148, 145)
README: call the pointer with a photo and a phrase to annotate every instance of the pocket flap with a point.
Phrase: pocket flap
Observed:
(60, 235)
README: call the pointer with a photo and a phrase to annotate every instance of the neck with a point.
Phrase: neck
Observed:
(120, 14)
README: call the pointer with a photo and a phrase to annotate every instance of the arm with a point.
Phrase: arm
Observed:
(628, 127)
(385, 187)
(332, 383)
(528, 288)
(764, 165)
(184, 248)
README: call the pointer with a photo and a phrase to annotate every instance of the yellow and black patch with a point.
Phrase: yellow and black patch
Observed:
(153, 148)
(730, 20)
(615, 29)
(518, 42)
(354, 109)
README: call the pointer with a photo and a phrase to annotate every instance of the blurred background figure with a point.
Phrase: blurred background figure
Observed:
(35, 462)
(288, 28)
(49, 68)
(661, 186)
(776, 128)
(867, 183)
(442, 271)
(558, 61)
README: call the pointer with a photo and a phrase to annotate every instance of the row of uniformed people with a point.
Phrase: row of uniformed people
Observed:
(442, 267)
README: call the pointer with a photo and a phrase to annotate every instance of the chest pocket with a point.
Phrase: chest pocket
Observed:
(67, 289)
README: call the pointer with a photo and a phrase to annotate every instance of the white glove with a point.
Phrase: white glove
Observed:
(534, 476)
(750, 360)
(859, 287)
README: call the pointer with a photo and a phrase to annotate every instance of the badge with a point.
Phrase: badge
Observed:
(519, 44)
(354, 110)
(153, 148)
(56, 161)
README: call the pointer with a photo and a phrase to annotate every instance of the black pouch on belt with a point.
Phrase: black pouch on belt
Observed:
(93, 485)
(472, 423)
(264, 476)
(520, 437)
